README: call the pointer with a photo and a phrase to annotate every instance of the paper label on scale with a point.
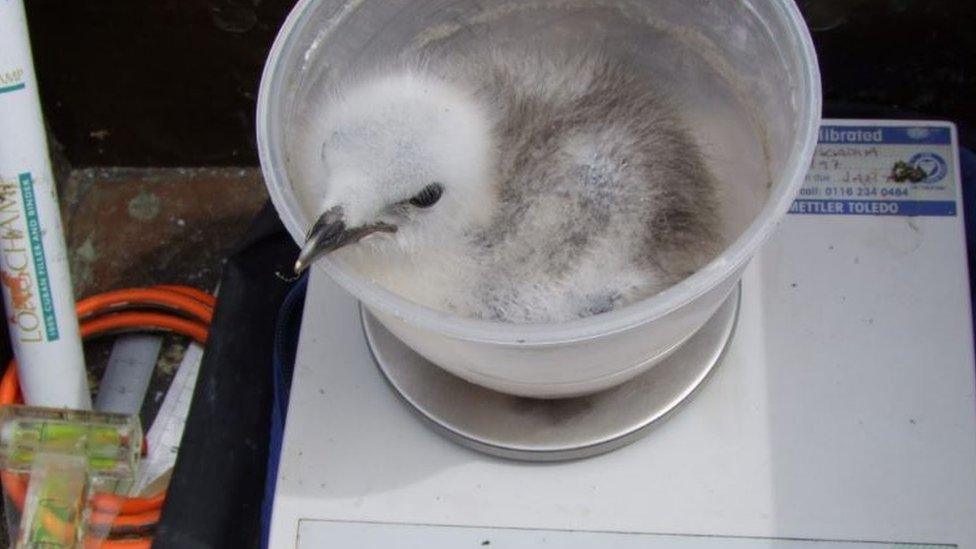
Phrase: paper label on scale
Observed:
(881, 170)
(321, 533)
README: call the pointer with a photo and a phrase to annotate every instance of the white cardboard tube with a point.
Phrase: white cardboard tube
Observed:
(34, 273)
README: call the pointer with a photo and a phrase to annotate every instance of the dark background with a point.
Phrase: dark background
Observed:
(173, 82)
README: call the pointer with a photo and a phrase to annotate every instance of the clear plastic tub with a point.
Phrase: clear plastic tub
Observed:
(744, 73)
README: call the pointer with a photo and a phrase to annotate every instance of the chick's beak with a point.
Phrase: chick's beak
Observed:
(330, 233)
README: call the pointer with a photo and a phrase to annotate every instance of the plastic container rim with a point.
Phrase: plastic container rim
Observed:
(384, 302)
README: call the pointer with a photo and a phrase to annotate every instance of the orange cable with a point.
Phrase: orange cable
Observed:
(134, 543)
(121, 299)
(141, 322)
(190, 291)
(108, 314)
(128, 506)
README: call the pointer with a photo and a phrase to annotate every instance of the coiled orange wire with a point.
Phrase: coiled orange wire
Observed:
(179, 309)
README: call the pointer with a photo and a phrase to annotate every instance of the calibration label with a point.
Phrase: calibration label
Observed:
(881, 170)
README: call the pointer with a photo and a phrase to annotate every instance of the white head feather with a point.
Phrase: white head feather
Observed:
(385, 141)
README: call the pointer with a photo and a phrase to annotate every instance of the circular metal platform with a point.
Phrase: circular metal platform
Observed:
(551, 430)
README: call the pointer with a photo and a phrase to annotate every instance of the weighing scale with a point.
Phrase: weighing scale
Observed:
(829, 403)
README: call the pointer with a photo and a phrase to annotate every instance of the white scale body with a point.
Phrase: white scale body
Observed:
(842, 415)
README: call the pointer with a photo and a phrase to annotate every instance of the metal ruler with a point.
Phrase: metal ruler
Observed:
(163, 438)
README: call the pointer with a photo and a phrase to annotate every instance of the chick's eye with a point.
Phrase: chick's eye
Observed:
(428, 196)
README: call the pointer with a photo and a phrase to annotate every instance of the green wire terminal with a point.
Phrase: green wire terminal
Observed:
(69, 455)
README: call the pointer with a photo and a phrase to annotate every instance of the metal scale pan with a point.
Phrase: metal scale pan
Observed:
(551, 430)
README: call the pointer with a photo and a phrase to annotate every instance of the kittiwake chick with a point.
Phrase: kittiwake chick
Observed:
(518, 188)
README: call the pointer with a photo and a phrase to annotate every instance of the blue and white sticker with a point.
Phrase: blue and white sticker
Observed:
(880, 170)
(932, 165)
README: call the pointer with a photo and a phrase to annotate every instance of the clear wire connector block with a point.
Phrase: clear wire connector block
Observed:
(54, 461)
